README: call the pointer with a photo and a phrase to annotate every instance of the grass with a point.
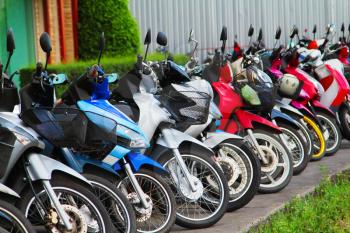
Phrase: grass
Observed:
(326, 210)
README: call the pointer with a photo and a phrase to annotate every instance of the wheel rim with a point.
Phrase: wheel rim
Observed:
(295, 146)
(213, 197)
(162, 206)
(10, 223)
(282, 169)
(114, 206)
(333, 139)
(319, 142)
(67, 197)
(243, 182)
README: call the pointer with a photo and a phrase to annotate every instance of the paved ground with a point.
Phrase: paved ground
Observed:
(264, 204)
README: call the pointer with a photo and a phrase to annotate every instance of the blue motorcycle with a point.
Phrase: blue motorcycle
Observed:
(98, 140)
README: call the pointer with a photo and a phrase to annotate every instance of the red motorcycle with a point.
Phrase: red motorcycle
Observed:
(276, 162)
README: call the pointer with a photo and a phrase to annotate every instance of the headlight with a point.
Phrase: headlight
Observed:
(135, 139)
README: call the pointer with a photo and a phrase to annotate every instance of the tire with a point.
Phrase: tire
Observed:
(344, 118)
(307, 136)
(66, 185)
(247, 182)
(299, 150)
(222, 195)
(319, 145)
(12, 220)
(283, 173)
(335, 137)
(117, 205)
(143, 221)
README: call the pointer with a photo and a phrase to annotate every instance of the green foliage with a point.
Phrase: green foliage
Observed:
(119, 65)
(327, 210)
(114, 19)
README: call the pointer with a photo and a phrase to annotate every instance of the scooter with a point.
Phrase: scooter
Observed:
(294, 136)
(183, 156)
(313, 92)
(54, 197)
(232, 153)
(271, 61)
(112, 147)
(276, 162)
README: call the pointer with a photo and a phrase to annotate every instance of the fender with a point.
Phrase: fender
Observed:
(321, 107)
(303, 109)
(248, 120)
(215, 138)
(41, 167)
(172, 138)
(7, 191)
(282, 106)
(138, 160)
(276, 115)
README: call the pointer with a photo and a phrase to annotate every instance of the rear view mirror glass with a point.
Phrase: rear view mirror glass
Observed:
(112, 78)
(59, 79)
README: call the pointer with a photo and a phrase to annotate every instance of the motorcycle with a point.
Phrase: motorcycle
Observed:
(314, 92)
(186, 158)
(54, 197)
(294, 135)
(111, 146)
(276, 162)
(232, 153)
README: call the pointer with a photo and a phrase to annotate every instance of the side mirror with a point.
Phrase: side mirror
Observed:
(260, 35)
(294, 32)
(59, 79)
(147, 40)
(278, 33)
(223, 35)
(349, 28)
(10, 41)
(162, 39)
(250, 31)
(190, 38)
(314, 30)
(45, 44)
(112, 78)
(342, 29)
(101, 44)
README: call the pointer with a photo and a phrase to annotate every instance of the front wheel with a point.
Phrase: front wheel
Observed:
(277, 173)
(12, 220)
(242, 170)
(297, 147)
(333, 141)
(86, 212)
(119, 209)
(319, 142)
(208, 203)
(160, 214)
(344, 118)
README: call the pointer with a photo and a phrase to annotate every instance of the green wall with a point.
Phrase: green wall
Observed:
(18, 15)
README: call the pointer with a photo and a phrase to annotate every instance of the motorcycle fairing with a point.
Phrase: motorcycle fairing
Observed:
(321, 107)
(276, 114)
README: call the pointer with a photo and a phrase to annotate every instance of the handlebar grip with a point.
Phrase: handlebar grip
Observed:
(139, 62)
(39, 67)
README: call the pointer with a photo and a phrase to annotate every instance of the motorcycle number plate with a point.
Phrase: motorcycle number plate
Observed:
(322, 72)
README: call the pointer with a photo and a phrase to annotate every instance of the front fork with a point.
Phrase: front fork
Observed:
(282, 136)
(54, 200)
(257, 146)
(181, 163)
(140, 193)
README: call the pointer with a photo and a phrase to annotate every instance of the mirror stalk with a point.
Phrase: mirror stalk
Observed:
(7, 62)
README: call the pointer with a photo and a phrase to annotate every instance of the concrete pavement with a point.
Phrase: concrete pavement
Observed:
(263, 205)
